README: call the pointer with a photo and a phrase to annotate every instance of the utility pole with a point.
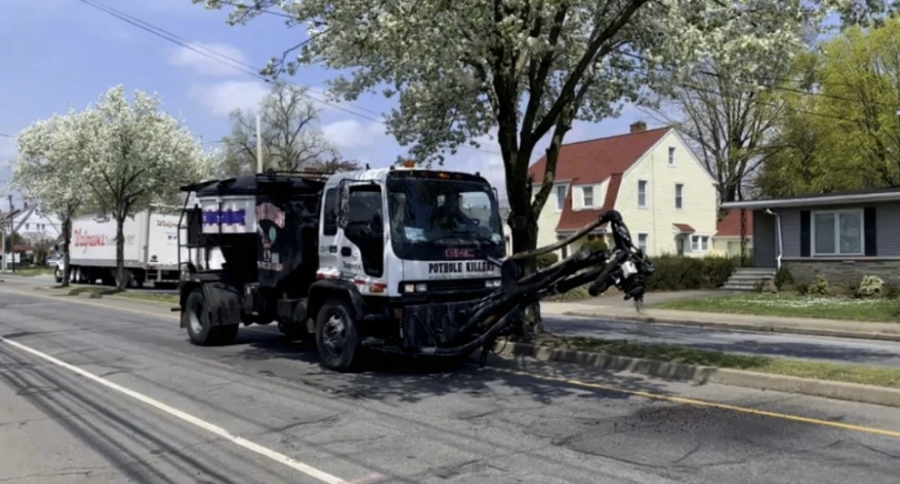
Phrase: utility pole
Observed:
(259, 160)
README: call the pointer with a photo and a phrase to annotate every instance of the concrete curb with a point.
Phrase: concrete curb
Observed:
(768, 328)
(703, 374)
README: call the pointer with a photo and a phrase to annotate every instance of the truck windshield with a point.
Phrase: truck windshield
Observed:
(443, 213)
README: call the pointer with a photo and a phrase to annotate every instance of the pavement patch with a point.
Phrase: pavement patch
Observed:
(764, 328)
(703, 374)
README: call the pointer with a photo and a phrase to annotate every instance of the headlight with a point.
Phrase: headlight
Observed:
(493, 283)
(421, 287)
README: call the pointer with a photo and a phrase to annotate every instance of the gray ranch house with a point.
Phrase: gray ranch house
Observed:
(841, 235)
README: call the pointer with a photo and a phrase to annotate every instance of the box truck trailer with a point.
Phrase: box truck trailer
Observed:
(151, 250)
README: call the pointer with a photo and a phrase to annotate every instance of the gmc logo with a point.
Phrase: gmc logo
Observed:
(460, 253)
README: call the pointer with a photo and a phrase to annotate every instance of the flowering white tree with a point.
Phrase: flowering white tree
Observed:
(51, 155)
(527, 68)
(139, 155)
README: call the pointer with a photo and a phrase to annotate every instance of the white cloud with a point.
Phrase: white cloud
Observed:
(207, 62)
(350, 134)
(222, 98)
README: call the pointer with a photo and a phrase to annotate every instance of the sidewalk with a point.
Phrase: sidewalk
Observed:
(805, 326)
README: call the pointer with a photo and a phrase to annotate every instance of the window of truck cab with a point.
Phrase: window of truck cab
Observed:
(442, 213)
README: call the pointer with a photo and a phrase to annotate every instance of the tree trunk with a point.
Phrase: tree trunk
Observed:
(120, 254)
(67, 243)
(524, 230)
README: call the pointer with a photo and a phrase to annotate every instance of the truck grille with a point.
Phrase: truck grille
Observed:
(455, 285)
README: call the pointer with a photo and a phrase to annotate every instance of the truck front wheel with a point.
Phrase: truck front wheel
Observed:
(200, 331)
(337, 339)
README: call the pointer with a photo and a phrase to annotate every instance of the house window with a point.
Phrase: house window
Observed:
(588, 193)
(838, 232)
(679, 195)
(642, 242)
(560, 196)
(671, 156)
(699, 243)
(642, 193)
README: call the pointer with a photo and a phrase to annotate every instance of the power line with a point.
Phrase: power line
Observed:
(788, 89)
(224, 59)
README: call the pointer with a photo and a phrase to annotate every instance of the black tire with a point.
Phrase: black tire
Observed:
(337, 338)
(196, 319)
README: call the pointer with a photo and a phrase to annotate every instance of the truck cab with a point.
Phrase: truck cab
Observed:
(385, 259)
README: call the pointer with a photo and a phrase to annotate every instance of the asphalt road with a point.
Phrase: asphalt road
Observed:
(95, 391)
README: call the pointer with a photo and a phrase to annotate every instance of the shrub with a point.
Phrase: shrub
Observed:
(891, 291)
(784, 278)
(547, 260)
(819, 287)
(597, 245)
(870, 286)
(678, 273)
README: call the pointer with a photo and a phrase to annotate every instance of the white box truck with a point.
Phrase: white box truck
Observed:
(151, 250)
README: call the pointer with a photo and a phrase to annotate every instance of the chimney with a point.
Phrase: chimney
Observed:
(638, 126)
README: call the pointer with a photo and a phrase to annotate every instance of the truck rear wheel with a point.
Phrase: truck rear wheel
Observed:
(337, 339)
(196, 319)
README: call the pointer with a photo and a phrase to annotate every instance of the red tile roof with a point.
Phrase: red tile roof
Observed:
(575, 220)
(595, 160)
(730, 225)
(591, 162)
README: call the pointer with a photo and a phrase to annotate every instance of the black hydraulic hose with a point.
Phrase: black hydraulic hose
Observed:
(604, 275)
(458, 350)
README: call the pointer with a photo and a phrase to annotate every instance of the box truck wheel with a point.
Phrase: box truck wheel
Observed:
(201, 333)
(337, 339)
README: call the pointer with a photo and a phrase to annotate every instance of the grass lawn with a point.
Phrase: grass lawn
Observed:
(879, 310)
(151, 296)
(867, 375)
(31, 271)
(111, 291)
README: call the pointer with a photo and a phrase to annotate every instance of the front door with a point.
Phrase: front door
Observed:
(679, 243)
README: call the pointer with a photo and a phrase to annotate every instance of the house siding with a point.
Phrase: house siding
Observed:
(887, 223)
(657, 217)
(765, 241)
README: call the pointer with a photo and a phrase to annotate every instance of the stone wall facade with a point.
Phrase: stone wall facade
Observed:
(844, 273)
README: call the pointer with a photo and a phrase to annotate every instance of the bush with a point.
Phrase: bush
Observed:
(819, 287)
(596, 245)
(679, 273)
(547, 260)
(784, 278)
(870, 286)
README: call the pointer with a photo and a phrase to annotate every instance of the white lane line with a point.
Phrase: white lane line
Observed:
(214, 429)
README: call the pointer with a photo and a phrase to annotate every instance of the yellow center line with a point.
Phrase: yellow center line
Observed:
(573, 382)
(704, 403)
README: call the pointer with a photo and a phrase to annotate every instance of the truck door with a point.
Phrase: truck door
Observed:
(360, 238)
(329, 257)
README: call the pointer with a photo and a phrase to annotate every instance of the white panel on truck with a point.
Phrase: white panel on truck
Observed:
(163, 240)
(94, 240)
(237, 215)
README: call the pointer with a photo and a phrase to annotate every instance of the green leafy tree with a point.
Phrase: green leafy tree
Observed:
(842, 131)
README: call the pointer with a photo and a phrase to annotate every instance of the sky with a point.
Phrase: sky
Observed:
(65, 53)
